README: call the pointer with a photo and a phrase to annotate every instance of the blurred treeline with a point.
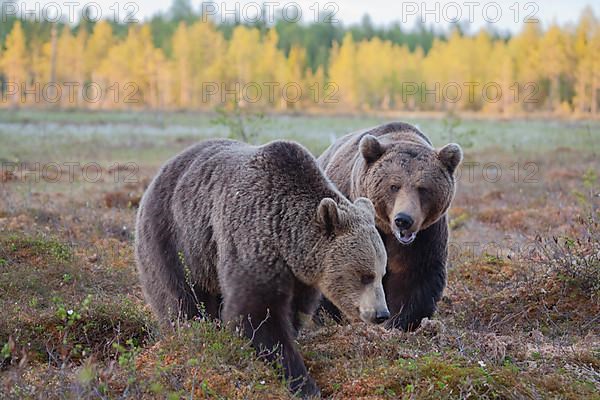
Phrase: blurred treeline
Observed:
(181, 60)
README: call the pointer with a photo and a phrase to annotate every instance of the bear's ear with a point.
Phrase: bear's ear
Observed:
(451, 155)
(328, 214)
(371, 148)
(365, 204)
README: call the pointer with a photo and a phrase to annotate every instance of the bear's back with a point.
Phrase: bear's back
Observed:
(292, 166)
(232, 192)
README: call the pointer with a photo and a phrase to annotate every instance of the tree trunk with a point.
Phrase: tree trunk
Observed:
(555, 93)
(594, 105)
(52, 80)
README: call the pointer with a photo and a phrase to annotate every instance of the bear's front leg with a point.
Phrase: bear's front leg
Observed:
(264, 315)
(416, 276)
(304, 304)
(408, 306)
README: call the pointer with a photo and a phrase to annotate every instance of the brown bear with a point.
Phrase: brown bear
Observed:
(411, 185)
(264, 232)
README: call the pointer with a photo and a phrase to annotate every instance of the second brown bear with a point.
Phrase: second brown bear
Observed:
(411, 185)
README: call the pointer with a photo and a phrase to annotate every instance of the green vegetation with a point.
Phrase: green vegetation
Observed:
(122, 137)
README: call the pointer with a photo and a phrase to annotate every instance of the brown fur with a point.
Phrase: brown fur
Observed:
(396, 167)
(260, 230)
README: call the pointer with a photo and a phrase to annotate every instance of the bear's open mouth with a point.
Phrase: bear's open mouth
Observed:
(404, 237)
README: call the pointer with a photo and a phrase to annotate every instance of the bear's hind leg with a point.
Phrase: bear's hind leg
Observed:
(167, 288)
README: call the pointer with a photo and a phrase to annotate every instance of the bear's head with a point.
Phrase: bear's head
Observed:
(353, 260)
(411, 184)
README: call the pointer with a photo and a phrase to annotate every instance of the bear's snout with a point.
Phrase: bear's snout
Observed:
(381, 316)
(403, 221)
(377, 316)
(373, 307)
(405, 230)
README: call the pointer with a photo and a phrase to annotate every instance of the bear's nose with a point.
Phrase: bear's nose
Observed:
(381, 316)
(403, 221)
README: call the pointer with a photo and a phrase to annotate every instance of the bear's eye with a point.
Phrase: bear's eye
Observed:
(394, 188)
(367, 278)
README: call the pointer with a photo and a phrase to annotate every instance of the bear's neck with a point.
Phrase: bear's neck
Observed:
(306, 266)
(302, 246)
(357, 180)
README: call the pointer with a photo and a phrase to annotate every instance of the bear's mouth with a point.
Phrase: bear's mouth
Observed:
(405, 237)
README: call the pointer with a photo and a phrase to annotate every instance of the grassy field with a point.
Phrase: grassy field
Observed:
(520, 317)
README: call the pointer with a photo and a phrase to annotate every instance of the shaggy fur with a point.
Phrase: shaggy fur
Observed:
(396, 167)
(252, 235)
